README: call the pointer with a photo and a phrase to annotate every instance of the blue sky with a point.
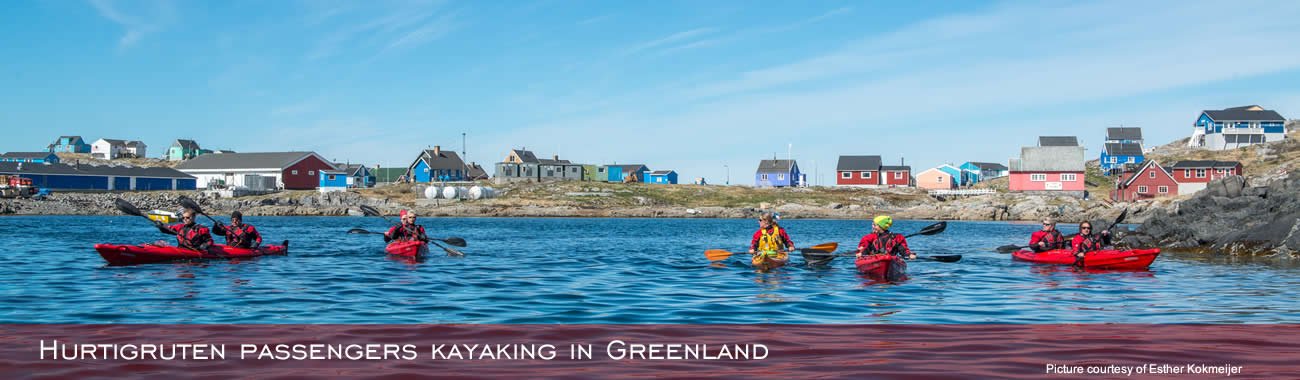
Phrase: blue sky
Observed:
(686, 85)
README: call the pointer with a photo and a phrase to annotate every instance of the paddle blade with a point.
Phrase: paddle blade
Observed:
(455, 241)
(933, 228)
(1009, 248)
(190, 204)
(824, 247)
(127, 207)
(1120, 219)
(370, 211)
(942, 258)
(717, 254)
(359, 231)
(817, 258)
(450, 252)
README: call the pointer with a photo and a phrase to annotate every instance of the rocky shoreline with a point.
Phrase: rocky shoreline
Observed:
(1230, 216)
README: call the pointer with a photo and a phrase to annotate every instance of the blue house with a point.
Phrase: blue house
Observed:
(663, 177)
(620, 173)
(69, 144)
(358, 175)
(1236, 127)
(982, 171)
(332, 180)
(777, 173)
(1116, 157)
(437, 165)
(77, 177)
(963, 178)
(30, 157)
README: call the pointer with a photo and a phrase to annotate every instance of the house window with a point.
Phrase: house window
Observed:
(938, 179)
(846, 175)
(1187, 173)
(1114, 159)
(898, 175)
(1038, 177)
(780, 177)
(762, 177)
(864, 175)
(1132, 160)
(331, 177)
(1232, 171)
(1162, 189)
(1142, 189)
(1071, 177)
(293, 172)
(311, 172)
(1151, 174)
(1200, 173)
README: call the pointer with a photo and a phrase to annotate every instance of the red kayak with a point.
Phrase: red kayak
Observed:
(1104, 259)
(882, 267)
(407, 248)
(117, 254)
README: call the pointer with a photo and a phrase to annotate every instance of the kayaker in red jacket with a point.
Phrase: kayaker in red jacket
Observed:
(770, 237)
(1048, 238)
(237, 233)
(1086, 241)
(188, 234)
(408, 230)
(881, 241)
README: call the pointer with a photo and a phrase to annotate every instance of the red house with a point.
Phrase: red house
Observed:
(1192, 176)
(1149, 181)
(1051, 169)
(290, 170)
(866, 171)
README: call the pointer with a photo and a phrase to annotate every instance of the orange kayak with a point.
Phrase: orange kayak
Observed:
(1103, 259)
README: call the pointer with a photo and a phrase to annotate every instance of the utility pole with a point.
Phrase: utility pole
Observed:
(728, 174)
(464, 157)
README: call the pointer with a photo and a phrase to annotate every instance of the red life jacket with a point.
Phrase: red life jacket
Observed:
(192, 236)
(402, 233)
(1053, 239)
(1091, 243)
(886, 243)
(242, 237)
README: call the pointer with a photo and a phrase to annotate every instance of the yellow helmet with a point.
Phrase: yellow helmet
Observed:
(884, 221)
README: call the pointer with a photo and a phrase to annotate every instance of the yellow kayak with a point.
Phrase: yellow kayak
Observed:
(163, 216)
(769, 260)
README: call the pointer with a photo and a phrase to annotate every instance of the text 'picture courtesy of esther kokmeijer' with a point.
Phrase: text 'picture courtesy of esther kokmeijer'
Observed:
(726, 189)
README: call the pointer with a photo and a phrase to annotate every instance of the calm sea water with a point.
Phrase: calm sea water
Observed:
(606, 271)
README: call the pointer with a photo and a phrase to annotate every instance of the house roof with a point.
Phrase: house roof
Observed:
(896, 168)
(1124, 133)
(261, 160)
(1197, 164)
(26, 155)
(186, 144)
(547, 161)
(70, 138)
(1049, 159)
(628, 168)
(858, 163)
(988, 165)
(776, 166)
(87, 169)
(388, 174)
(476, 172)
(441, 159)
(935, 169)
(662, 172)
(134, 144)
(114, 141)
(351, 169)
(1058, 141)
(1130, 177)
(1124, 149)
(1245, 113)
(525, 156)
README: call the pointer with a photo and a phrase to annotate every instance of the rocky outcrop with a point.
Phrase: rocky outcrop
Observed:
(317, 204)
(1230, 216)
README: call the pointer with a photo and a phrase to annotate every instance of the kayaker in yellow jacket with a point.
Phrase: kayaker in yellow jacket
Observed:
(770, 239)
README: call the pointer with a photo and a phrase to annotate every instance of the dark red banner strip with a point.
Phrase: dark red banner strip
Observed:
(601, 351)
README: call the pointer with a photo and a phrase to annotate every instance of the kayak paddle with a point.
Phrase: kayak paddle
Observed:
(192, 205)
(371, 211)
(455, 241)
(1012, 247)
(928, 230)
(722, 254)
(129, 209)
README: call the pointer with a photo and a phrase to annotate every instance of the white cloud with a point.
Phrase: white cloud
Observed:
(151, 17)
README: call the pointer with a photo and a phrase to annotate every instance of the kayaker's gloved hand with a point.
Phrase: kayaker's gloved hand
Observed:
(387, 238)
(163, 228)
(218, 228)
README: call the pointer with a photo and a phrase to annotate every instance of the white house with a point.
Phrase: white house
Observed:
(111, 149)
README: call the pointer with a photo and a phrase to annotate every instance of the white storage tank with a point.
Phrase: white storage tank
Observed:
(453, 192)
(431, 192)
(481, 192)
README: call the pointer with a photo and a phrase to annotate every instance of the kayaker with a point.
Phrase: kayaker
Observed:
(237, 233)
(1048, 238)
(408, 230)
(881, 241)
(1087, 241)
(188, 234)
(770, 239)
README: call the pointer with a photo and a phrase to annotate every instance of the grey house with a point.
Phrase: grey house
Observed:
(523, 165)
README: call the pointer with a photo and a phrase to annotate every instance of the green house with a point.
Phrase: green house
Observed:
(183, 150)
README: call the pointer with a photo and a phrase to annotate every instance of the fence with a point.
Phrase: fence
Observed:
(963, 192)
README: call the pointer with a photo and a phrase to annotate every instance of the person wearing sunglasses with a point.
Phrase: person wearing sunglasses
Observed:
(189, 234)
(408, 230)
(237, 233)
(1048, 238)
(1087, 241)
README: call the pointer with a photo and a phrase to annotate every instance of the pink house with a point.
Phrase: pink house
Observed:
(1049, 170)
(935, 179)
